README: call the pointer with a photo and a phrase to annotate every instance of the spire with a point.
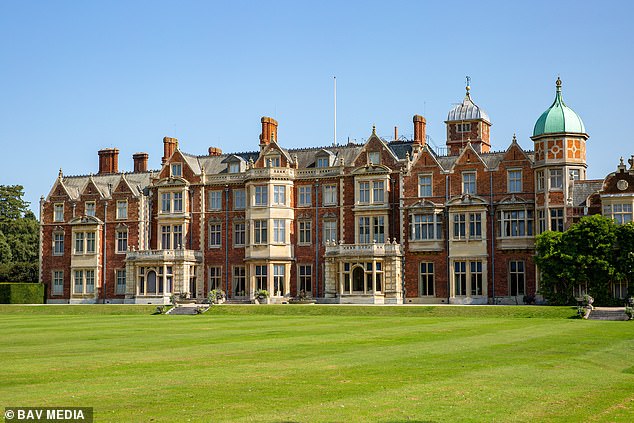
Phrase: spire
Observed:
(558, 97)
(468, 88)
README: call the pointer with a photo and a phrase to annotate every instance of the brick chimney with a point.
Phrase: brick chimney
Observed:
(108, 161)
(269, 131)
(140, 162)
(215, 151)
(419, 130)
(169, 145)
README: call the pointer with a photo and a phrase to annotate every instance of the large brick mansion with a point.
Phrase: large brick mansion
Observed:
(386, 221)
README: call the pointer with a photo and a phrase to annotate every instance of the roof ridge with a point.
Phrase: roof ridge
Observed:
(101, 175)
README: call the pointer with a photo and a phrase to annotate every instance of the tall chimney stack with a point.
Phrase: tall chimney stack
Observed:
(419, 130)
(169, 145)
(108, 161)
(395, 133)
(269, 131)
(140, 162)
(215, 151)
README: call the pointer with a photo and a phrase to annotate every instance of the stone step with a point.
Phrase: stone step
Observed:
(231, 301)
(617, 315)
(182, 310)
(186, 310)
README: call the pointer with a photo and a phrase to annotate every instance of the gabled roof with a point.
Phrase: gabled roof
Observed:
(232, 158)
(106, 184)
(425, 149)
(192, 162)
(306, 156)
(469, 150)
(91, 182)
(324, 152)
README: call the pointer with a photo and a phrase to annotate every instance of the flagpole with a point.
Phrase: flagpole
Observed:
(334, 143)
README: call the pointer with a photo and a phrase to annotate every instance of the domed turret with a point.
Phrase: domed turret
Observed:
(558, 118)
(560, 157)
(467, 110)
(467, 122)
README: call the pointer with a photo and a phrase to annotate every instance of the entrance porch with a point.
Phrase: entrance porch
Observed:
(364, 273)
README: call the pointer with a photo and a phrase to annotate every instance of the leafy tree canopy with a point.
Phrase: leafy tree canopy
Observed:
(19, 236)
(592, 253)
(12, 206)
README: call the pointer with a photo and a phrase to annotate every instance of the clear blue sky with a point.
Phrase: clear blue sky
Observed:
(80, 76)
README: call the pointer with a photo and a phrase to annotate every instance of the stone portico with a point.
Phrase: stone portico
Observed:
(364, 273)
(152, 276)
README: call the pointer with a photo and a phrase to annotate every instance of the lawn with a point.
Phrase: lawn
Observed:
(319, 363)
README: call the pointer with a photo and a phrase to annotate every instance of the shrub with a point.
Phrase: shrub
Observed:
(21, 293)
(261, 294)
(216, 296)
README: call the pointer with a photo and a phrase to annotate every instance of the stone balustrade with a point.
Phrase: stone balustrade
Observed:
(165, 255)
(375, 249)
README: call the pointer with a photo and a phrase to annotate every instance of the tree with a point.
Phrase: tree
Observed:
(5, 250)
(583, 255)
(554, 265)
(12, 206)
(625, 254)
(19, 237)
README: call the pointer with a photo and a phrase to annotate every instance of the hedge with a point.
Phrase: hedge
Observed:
(21, 293)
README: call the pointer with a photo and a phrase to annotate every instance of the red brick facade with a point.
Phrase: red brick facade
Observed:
(389, 219)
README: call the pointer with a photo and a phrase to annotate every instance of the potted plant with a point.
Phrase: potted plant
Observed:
(216, 296)
(261, 296)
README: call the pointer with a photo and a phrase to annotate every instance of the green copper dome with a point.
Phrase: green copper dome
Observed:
(558, 118)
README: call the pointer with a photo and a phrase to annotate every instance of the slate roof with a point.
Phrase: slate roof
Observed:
(583, 189)
(106, 183)
(213, 165)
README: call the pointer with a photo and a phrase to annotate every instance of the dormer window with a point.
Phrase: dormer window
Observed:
(463, 127)
(323, 162)
(374, 157)
(177, 169)
(272, 161)
(234, 167)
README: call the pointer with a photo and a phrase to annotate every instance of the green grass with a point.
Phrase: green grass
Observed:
(319, 363)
